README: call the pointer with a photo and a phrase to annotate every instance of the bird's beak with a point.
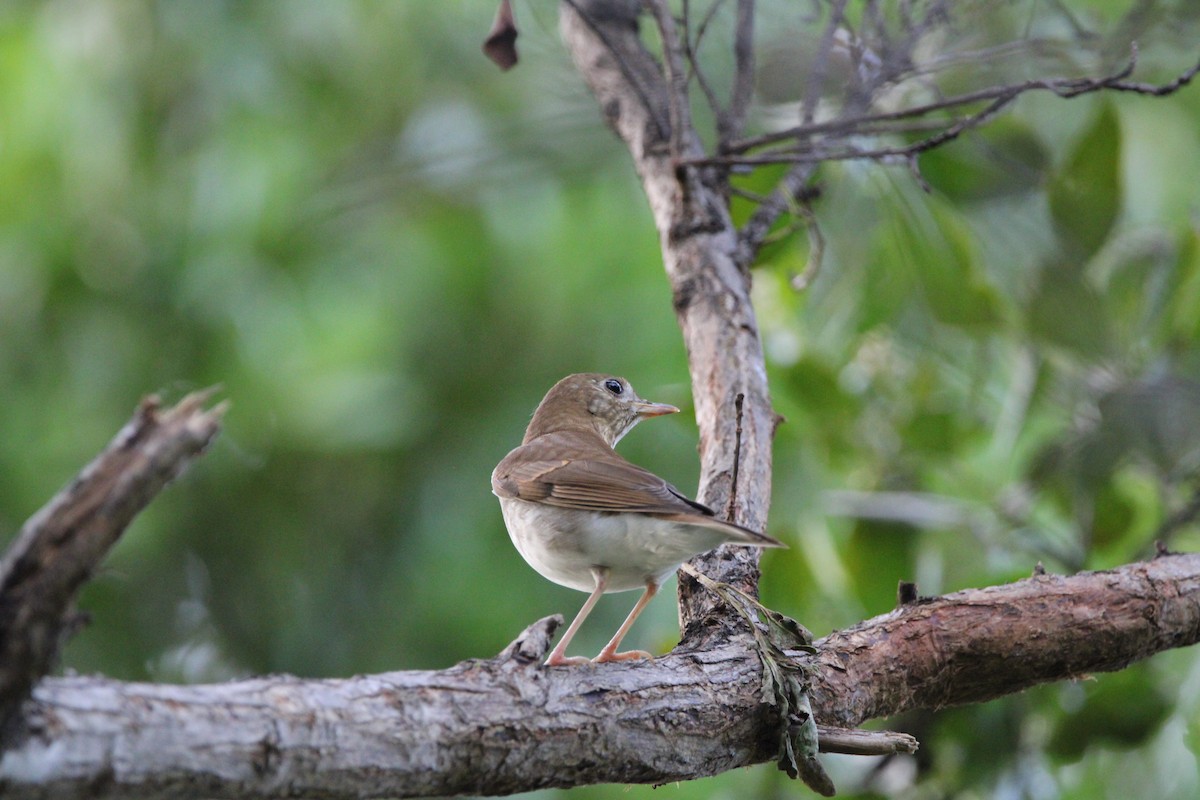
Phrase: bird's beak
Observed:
(648, 409)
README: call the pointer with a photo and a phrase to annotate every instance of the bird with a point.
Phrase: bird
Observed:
(584, 517)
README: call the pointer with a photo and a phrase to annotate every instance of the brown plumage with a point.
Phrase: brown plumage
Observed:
(586, 518)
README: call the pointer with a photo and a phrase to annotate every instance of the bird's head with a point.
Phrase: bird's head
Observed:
(593, 401)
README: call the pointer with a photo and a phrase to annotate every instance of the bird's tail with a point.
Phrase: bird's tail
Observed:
(734, 534)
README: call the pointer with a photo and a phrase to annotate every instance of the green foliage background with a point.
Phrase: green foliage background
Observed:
(385, 251)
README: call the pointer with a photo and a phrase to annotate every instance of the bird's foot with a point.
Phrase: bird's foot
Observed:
(629, 655)
(559, 660)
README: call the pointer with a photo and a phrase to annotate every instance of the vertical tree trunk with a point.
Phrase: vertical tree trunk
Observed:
(647, 107)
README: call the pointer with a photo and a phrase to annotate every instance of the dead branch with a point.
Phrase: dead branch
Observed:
(60, 547)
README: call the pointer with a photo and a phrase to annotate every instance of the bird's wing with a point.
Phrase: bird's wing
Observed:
(596, 482)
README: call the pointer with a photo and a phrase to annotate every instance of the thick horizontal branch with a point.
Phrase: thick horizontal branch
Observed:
(59, 547)
(976, 645)
(509, 724)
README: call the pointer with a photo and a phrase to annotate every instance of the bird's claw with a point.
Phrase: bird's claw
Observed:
(628, 655)
(556, 660)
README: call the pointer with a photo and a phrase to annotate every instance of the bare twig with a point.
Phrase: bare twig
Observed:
(754, 233)
(820, 66)
(731, 124)
(859, 742)
(693, 58)
(816, 248)
(804, 159)
(676, 75)
(702, 29)
(1063, 87)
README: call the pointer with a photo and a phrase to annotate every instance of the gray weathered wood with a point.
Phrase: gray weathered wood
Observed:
(508, 724)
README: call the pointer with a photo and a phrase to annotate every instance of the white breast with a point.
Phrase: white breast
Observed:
(563, 545)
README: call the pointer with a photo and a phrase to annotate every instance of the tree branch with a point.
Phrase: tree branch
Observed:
(731, 123)
(675, 75)
(979, 644)
(814, 143)
(508, 724)
(711, 294)
(998, 97)
(58, 549)
(785, 197)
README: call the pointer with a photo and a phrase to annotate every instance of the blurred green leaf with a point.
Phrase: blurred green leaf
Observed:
(1085, 193)
(1065, 311)
(1183, 316)
(1120, 709)
(941, 255)
(1005, 158)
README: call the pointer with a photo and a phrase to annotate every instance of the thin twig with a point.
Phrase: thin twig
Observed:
(859, 742)
(731, 507)
(816, 248)
(676, 74)
(810, 156)
(1063, 87)
(816, 78)
(754, 233)
(692, 54)
(706, 21)
(731, 124)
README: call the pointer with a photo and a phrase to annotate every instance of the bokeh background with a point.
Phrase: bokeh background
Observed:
(385, 251)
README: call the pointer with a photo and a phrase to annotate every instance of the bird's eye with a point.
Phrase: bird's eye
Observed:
(614, 386)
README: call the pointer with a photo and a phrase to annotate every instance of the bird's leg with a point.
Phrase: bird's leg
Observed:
(609, 653)
(558, 657)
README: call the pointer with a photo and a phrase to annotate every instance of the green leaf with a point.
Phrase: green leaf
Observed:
(1065, 310)
(1085, 194)
(953, 283)
(1123, 709)
(1184, 313)
(1003, 159)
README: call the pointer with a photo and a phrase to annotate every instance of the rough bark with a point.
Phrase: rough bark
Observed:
(509, 724)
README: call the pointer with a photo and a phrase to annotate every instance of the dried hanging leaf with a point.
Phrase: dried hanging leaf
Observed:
(501, 42)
